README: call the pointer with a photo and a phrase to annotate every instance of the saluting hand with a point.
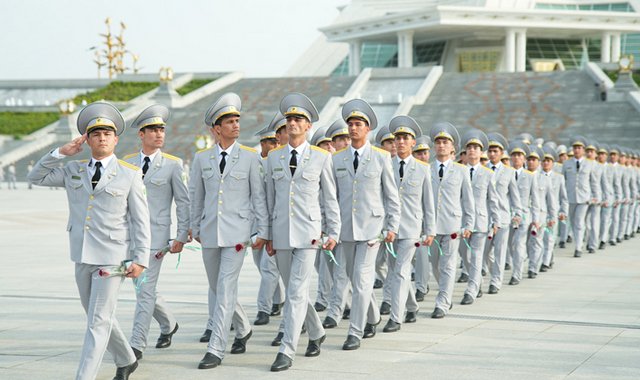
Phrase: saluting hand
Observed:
(134, 270)
(74, 146)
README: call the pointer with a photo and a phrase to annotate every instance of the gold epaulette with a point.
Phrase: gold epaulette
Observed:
(171, 157)
(204, 150)
(128, 165)
(317, 149)
(486, 168)
(379, 150)
(341, 150)
(249, 149)
(528, 171)
(422, 163)
(129, 156)
(83, 161)
(459, 164)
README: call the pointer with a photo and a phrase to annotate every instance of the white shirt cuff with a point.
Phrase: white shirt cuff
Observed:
(56, 154)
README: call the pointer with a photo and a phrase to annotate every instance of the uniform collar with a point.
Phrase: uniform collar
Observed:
(105, 161)
(151, 157)
(299, 149)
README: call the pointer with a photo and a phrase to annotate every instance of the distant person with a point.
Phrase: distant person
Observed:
(29, 168)
(11, 176)
(1, 175)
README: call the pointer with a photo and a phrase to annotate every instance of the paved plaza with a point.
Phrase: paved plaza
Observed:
(581, 320)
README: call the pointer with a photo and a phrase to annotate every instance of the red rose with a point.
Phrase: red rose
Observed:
(454, 236)
(534, 232)
(103, 273)
(313, 241)
(239, 247)
(490, 237)
(417, 244)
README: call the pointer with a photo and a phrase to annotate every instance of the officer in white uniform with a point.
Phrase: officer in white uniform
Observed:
(592, 233)
(417, 221)
(455, 212)
(562, 204)
(422, 265)
(165, 182)
(301, 196)
(370, 212)
(227, 187)
(108, 214)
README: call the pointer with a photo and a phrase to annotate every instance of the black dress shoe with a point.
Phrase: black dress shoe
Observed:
(484, 273)
(276, 309)
(369, 331)
(209, 361)
(239, 345)
(329, 323)
(618, 240)
(569, 239)
(479, 293)
(391, 326)
(377, 284)
(122, 373)
(544, 268)
(419, 296)
(137, 353)
(410, 317)
(261, 319)
(385, 308)
(466, 299)
(437, 313)
(612, 243)
(591, 250)
(206, 336)
(346, 313)
(352, 343)
(232, 327)
(282, 363)
(277, 340)
(313, 348)
(463, 278)
(507, 266)
(602, 245)
(562, 244)
(577, 254)
(164, 340)
(532, 274)
(626, 237)
(513, 281)
(319, 307)
(493, 289)
(413, 276)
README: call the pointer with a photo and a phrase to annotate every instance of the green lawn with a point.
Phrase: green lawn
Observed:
(117, 92)
(24, 123)
(193, 84)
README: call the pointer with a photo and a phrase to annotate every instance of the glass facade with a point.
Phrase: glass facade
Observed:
(610, 7)
(478, 61)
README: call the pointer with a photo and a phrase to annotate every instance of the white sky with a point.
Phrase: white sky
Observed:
(51, 38)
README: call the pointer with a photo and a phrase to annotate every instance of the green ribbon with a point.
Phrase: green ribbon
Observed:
(331, 256)
(139, 281)
(439, 247)
(389, 247)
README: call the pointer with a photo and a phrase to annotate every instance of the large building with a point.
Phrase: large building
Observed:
(474, 36)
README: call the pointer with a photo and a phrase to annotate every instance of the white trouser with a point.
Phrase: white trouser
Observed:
(296, 267)
(150, 304)
(381, 264)
(606, 214)
(500, 244)
(578, 216)
(535, 244)
(360, 260)
(444, 262)
(518, 248)
(223, 268)
(271, 289)
(399, 278)
(422, 268)
(325, 282)
(593, 226)
(473, 261)
(341, 286)
(549, 241)
(99, 297)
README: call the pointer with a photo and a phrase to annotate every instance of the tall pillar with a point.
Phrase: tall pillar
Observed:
(605, 48)
(405, 49)
(615, 47)
(521, 51)
(510, 51)
(355, 48)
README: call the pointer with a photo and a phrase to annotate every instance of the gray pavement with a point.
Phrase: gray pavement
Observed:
(581, 320)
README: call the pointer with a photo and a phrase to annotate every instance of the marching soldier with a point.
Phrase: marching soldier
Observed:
(593, 212)
(547, 210)
(370, 212)
(530, 201)
(165, 182)
(562, 204)
(339, 135)
(228, 192)
(581, 189)
(509, 210)
(614, 154)
(108, 207)
(422, 265)
(300, 188)
(455, 212)
(417, 222)
(608, 194)
(271, 290)
(487, 218)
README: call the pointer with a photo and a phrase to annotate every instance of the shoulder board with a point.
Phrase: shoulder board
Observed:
(171, 157)
(249, 149)
(204, 150)
(379, 149)
(278, 148)
(318, 149)
(459, 164)
(83, 161)
(263, 158)
(486, 168)
(422, 163)
(128, 165)
(528, 171)
(129, 156)
(590, 159)
(341, 150)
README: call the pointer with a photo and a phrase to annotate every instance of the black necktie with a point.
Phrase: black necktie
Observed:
(578, 165)
(401, 169)
(145, 167)
(493, 168)
(223, 161)
(441, 171)
(355, 161)
(96, 176)
(293, 162)
(471, 173)
(516, 175)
